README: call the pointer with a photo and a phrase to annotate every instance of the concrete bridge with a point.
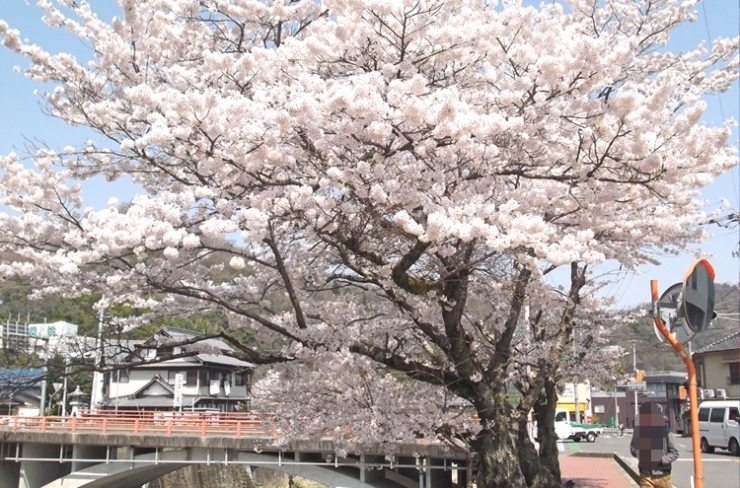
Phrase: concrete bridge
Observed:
(109, 450)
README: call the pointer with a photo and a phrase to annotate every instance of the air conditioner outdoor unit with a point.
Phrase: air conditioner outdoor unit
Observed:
(708, 393)
(721, 393)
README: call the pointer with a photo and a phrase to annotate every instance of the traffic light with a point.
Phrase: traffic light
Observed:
(640, 375)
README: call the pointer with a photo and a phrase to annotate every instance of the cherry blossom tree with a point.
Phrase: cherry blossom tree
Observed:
(392, 183)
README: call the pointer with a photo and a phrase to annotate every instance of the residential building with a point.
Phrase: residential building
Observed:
(718, 367)
(613, 407)
(663, 388)
(568, 396)
(20, 391)
(208, 380)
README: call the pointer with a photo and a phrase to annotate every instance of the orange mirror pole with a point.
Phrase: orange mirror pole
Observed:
(694, 411)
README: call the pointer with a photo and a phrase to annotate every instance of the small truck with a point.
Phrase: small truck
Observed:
(567, 428)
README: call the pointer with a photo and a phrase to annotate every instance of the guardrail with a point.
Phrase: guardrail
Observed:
(202, 424)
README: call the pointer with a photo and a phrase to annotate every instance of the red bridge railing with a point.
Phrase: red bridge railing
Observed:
(201, 424)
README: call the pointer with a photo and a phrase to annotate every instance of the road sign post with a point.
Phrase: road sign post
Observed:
(695, 309)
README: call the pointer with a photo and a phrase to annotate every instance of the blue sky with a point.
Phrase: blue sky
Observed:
(22, 119)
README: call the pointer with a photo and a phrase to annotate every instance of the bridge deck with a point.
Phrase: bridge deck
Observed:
(238, 431)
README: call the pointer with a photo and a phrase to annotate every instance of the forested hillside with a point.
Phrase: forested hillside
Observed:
(16, 306)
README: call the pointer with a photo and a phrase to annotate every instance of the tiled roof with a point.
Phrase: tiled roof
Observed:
(17, 376)
(118, 350)
(223, 360)
(157, 379)
(167, 402)
(729, 343)
(212, 349)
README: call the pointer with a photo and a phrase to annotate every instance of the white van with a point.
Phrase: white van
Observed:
(718, 425)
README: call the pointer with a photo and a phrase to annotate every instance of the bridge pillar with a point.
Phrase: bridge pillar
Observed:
(87, 452)
(35, 474)
(409, 469)
(10, 471)
(10, 474)
(438, 477)
(406, 473)
(368, 474)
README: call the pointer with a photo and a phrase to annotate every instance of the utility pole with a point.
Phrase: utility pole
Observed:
(575, 385)
(64, 386)
(96, 395)
(42, 404)
(634, 371)
(44, 373)
(616, 406)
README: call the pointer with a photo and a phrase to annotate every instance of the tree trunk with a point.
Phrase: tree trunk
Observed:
(544, 411)
(536, 474)
(498, 459)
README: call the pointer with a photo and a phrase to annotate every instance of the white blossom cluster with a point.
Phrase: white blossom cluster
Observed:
(370, 182)
(380, 408)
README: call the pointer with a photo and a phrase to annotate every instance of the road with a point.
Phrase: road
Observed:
(720, 469)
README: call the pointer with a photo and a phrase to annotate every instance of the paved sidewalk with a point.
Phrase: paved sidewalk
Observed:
(594, 472)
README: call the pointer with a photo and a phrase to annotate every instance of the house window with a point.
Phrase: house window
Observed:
(121, 376)
(205, 377)
(164, 351)
(145, 353)
(192, 378)
(240, 379)
(734, 378)
(172, 374)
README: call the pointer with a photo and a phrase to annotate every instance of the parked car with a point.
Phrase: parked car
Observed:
(719, 425)
(567, 428)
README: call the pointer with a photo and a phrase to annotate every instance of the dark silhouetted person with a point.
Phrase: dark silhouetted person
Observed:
(621, 429)
(655, 447)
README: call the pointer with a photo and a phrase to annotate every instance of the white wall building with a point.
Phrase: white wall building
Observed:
(44, 339)
(209, 379)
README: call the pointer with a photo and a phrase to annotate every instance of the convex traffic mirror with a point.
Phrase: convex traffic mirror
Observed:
(697, 296)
